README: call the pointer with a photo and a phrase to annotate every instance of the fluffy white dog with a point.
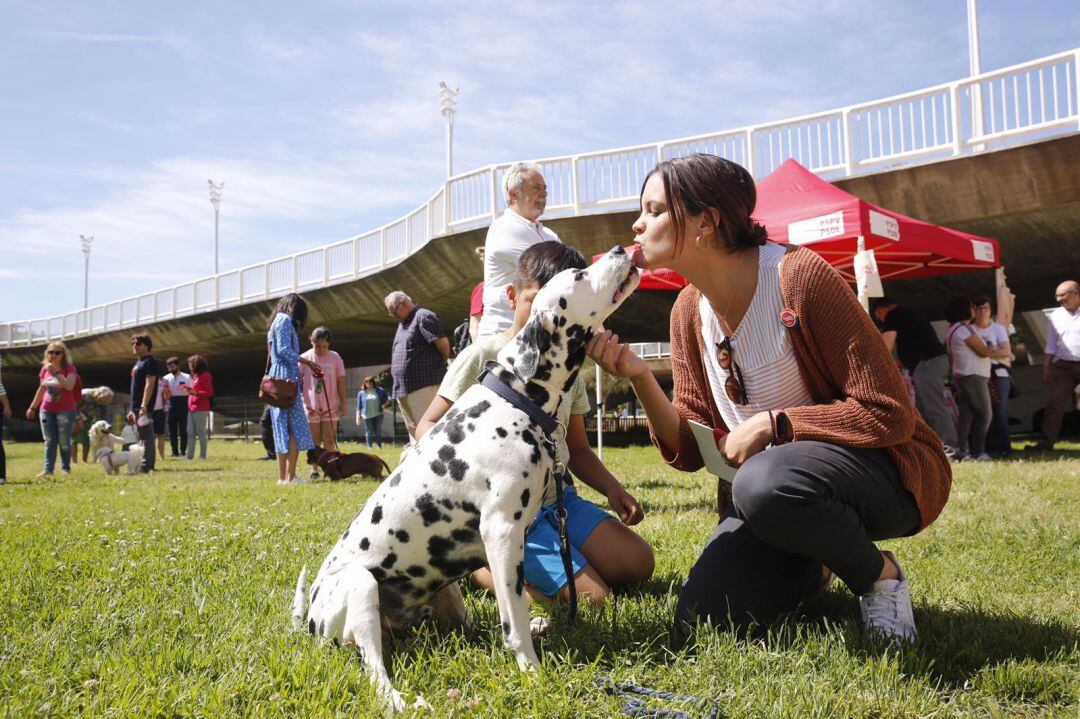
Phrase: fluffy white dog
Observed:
(112, 460)
(101, 437)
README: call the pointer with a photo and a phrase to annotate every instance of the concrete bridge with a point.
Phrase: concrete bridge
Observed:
(997, 155)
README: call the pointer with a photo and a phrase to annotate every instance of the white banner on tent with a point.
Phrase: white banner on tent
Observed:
(867, 279)
(983, 251)
(816, 228)
(884, 226)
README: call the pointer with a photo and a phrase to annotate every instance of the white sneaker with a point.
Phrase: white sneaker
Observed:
(984, 457)
(886, 608)
(297, 480)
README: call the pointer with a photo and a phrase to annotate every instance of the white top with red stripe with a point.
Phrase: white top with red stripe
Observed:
(760, 347)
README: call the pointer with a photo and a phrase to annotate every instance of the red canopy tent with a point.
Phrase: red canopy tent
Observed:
(799, 207)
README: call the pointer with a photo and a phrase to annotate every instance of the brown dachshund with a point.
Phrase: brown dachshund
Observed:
(336, 465)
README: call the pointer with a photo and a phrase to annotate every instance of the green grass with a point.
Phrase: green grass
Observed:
(168, 596)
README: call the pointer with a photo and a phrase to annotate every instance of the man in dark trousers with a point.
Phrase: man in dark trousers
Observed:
(921, 352)
(266, 425)
(144, 389)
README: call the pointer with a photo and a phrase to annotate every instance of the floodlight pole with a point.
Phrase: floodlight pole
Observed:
(215, 200)
(86, 243)
(448, 106)
(974, 69)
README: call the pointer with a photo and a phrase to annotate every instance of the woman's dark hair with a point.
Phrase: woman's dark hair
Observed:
(981, 300)
(197, 364)
(958, 309)
(292, 305)
(697, 183)
(321, 334)
(542, 261)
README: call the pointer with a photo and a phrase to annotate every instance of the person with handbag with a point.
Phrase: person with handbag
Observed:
(57, 400)
(970, 360)
(292, 433)
(996, 337)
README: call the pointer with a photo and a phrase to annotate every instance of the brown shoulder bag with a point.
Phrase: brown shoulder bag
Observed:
(276, 392)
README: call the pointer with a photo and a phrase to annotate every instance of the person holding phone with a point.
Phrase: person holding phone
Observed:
(176, 383)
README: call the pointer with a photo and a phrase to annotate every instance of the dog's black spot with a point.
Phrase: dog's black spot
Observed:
(562, 303)
(500, 431)
(473, 523)
(316, 592)
(395, 480)
(487, 483)
(506, 629)
(470, 508)
(311, 627)
(525, 495)
(418, 592)
(517, 515)
(470, 427)
(457, 469)
(446, 453)
(520, 585)
(478, 409)
(399, 580)
(364, 544)
(438, 467)
(376, 514)
(402, 535)
(346, 534)
(378, 573)
(434, 585)
(322, 627)
(530, 439)
(389, 560)
(524, 475)
(430, 513)
(440, 550)
(415, 570)
(439, 547)
(446, 503)
(463, 535)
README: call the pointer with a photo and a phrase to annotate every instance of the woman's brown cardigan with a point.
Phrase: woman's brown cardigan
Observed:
(859, 398)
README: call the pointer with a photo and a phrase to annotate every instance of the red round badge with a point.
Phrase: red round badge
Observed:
(789, 318)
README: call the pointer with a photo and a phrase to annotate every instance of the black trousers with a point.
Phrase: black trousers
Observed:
(266, 425)
(178, 410)
(796, 507)
(3, 456)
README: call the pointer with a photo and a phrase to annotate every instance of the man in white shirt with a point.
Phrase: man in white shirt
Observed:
(176, 384)
(1061, 366)
(515, 231)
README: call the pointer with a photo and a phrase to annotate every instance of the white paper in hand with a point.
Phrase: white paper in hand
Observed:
(714, 461)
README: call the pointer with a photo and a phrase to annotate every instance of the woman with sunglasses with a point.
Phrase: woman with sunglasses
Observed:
(770, 347)
(56, 401)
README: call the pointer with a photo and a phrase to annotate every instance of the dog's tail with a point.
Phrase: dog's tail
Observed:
(299, 602)
(387, 466)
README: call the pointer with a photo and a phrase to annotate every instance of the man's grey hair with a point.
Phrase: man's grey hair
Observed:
(395, 298)
(514, 178)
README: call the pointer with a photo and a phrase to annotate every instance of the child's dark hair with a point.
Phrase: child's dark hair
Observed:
(320, 334)
(958, 309)
(538, 264)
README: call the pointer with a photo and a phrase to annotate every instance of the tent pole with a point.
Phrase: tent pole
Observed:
(864, 299)
(599, 417)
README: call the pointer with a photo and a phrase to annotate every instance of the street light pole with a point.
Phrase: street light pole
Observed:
(448, 105)
(974, 69)
(215, 200)
(86, 243)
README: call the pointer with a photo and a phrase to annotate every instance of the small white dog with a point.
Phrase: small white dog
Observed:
(101, 437)
(112, 460)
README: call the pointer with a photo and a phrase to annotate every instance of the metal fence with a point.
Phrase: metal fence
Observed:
(1032, 100)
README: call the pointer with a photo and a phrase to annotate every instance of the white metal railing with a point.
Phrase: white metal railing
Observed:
(651, 350)
(1031, 100)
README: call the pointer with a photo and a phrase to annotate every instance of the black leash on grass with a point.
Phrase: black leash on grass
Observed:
(636, 707)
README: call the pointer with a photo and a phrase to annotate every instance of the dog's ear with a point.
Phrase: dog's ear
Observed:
(533, 341)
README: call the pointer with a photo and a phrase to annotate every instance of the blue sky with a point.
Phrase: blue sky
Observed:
(322, 117)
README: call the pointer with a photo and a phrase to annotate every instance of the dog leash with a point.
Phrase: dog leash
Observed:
(636, 707)
(549, 425)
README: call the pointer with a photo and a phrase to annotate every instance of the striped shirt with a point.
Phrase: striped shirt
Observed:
(760, 346)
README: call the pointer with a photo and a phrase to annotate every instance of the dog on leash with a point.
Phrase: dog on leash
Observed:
(463, 497)
(101, 437)
(337, 465)
(112, 461)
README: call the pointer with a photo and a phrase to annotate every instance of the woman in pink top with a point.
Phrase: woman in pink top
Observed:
(324, 399)
(56, 400)
(199, 394)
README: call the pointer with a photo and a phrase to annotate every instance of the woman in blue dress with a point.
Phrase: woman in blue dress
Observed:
(292, 434)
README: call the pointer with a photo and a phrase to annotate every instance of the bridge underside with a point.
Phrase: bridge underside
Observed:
(1028, 198)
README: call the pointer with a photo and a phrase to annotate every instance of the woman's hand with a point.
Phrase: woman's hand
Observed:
(746, 440)
(624, 504)
(30, 412)
(614, 358)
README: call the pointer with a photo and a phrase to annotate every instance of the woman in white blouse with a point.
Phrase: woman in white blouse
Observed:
(970, 360)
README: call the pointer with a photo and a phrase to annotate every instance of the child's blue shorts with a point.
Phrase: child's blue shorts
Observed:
(543, 562)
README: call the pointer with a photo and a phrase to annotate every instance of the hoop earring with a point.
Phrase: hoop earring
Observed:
(697, 242)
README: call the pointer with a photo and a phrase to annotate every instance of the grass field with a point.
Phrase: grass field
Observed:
(167, 596)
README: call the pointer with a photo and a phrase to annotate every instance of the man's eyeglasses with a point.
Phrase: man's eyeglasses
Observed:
(733, 385)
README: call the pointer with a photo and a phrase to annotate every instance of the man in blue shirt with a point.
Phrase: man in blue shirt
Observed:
(144, 389)
(418, 360)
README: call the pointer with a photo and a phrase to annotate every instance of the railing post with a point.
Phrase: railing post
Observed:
(1076, 79)
(240, 286)
(408, 235)
(447, 209)
(175, 295)
(430, 221)
(155, 307)
(494, 194)
(356, 257)
(217, 291)
(750, 152)
(659, 152)
(382, 247)
(954, 100)
(574, 184)
(295, 273)
(325, 267)
(266, 280)
(849, 142)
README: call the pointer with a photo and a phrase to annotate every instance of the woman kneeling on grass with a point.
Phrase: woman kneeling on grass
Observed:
(602, 552)
(770, 347)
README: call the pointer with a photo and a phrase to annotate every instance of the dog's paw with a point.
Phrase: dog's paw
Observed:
(421, 703)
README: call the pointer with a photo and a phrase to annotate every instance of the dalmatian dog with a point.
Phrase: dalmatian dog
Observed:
(465, 494)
